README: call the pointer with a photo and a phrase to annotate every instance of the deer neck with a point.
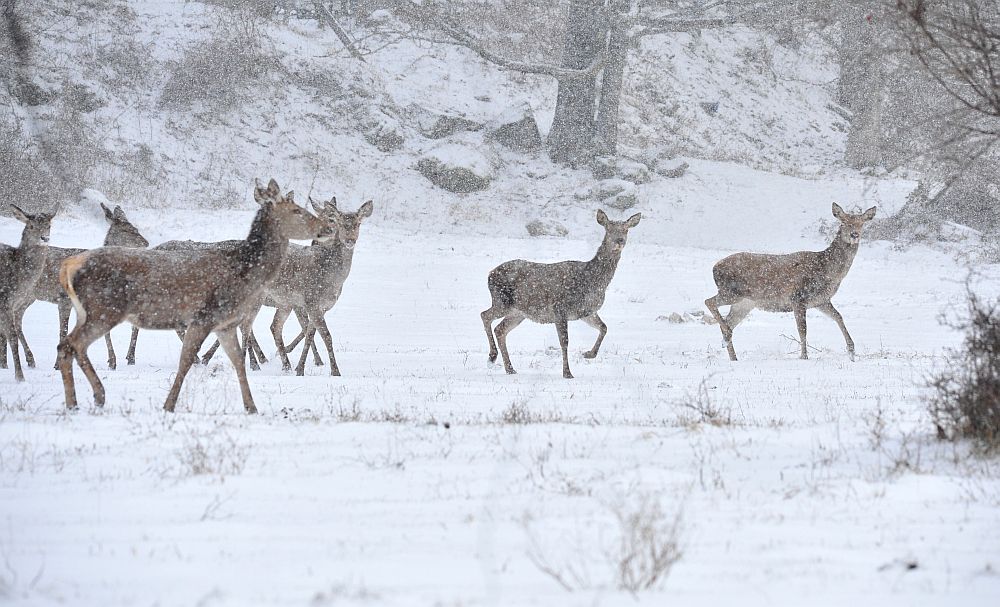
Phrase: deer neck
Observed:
(603, 265)
(838, 257)
(259, 257)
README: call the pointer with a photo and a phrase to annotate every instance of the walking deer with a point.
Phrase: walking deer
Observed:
(121, 233)
(311, 281)
(19, 269)
(555, 293)
(788, 283)
(197, 292)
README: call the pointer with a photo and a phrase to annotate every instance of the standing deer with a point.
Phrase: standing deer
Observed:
(311, 281)
(197, 292)
(555, 293)
(20, 267)
(121, 233)
(788, 283)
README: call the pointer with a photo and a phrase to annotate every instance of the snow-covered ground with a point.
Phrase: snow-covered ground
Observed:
(426, 476)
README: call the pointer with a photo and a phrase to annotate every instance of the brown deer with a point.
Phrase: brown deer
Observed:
(197, 292)
(20, 267)
(555, 293)
(121, 233)
(788, 283)
(311, 281)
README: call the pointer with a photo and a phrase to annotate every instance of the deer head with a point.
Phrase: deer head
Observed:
(293, 221)
(36, 227)
(616, 232)
(122, 233)
(348, 225)
(850, 224)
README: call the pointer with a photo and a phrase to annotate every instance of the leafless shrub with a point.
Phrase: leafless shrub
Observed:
(706, 411)
(22, 172)
(218, 72)
(213, 453)
(518, 413)
(965, 403)
(648, 545)
(645, 547)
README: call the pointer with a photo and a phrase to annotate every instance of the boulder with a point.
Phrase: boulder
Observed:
(521, 135)
(606, 188)
(670, 168)
(607, 167)
(384, 133)
(441, 126)
(457, 167)
(545, 227)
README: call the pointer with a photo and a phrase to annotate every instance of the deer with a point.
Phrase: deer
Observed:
(310, 283)
(555, 293)
(197, 292)
(20, 268)
(793, 282)
(121, 233)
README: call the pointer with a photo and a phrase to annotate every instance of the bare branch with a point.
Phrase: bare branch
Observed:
(425, 14)
(330, 20)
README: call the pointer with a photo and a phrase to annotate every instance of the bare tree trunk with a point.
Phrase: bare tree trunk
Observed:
(606, 134)
(571, 137)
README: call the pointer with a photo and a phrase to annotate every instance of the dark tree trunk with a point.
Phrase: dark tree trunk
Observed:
(606, 133)
(571, 138)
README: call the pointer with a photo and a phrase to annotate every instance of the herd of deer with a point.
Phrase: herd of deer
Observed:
(197, 288)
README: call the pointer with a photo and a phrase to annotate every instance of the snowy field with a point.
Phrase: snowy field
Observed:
(426, 476)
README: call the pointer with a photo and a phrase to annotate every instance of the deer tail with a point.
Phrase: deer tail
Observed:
(67, 270)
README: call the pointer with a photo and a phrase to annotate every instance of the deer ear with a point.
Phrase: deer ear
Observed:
(290, 196)
(19, 214)
(869, 214)
(119, 214)
(633, 221)
(272, 188)
(107, 212)
(838, 212)
(316, 206)
(602, 218)
(366, 209)
(333, 202)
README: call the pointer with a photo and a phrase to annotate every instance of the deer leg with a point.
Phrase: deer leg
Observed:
(562, 330)
(832, 312)
(713, 303)
(112, 359)
(3, 354)
(75, 345)
(324, 332)
(303, 317)
(257, 350)
(738, 312)
(595, 321)
(64, 306)
(231, 345)
(29, 357)
(506, 326)
(193, 338)
(277, 324)
(489, 316)
(130, 357)
(800, 323)
(207, 356)
(300, 369)
(9, 331)
(246, 328)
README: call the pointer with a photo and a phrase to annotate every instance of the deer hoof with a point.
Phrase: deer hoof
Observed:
(493, 356)
(251, 410)
(590, 354)
(510, 371)
(567, 375)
